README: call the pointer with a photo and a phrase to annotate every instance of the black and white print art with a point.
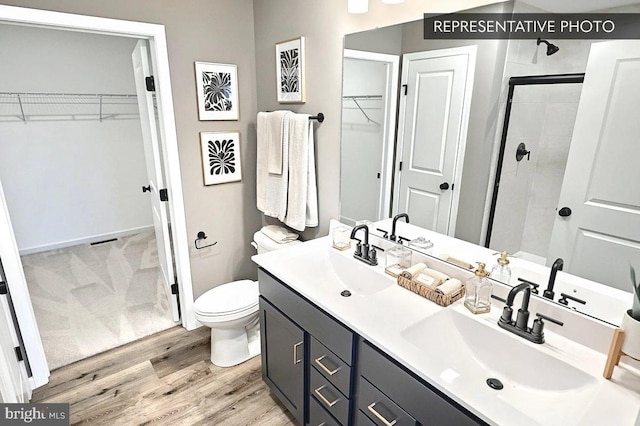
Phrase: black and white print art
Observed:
(217, 88)
(290, 71)
(220, 157)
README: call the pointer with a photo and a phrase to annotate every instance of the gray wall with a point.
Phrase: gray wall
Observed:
(208, 31)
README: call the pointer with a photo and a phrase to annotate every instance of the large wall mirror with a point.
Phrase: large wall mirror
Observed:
(566, 161)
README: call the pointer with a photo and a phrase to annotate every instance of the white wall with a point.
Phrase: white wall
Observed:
(69, 180)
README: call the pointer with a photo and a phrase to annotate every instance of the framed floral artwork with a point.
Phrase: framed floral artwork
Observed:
(220, 157)
(217, 87)
(290, 71)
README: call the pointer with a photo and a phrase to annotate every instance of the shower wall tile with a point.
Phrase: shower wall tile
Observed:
(559, 119)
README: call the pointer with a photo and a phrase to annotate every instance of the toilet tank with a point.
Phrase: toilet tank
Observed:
(265, 244)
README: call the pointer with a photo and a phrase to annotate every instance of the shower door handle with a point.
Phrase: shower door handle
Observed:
(564, 212)
(444, 186)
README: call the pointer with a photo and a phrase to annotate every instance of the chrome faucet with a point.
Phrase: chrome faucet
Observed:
(520, 326)
(393, 235)
(362, 251)
(557, 266)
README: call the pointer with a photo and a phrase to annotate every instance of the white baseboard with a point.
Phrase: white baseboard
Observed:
(85, 240)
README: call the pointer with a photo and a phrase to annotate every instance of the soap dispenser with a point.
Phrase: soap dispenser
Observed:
(502, 272)
(478, 297)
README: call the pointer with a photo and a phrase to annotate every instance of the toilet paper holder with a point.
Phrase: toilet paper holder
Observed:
(202, 236)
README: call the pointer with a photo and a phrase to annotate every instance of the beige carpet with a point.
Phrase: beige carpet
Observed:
(88, 299)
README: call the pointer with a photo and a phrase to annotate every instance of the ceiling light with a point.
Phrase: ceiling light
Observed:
(358, 6)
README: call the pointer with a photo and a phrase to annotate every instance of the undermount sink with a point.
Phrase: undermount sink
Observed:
(467, 351)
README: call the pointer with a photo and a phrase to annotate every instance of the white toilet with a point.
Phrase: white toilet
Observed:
(231, 311)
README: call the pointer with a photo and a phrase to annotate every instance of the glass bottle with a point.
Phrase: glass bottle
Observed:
(502, 272)
(478, 296)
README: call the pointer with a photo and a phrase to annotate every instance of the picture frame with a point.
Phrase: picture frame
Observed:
(217, 90)
(290, 71)
(221, 161)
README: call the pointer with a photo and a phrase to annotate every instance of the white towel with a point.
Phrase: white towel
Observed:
(298, 171)
(271, 189)
(311, 219)
(279, 234)
(274, 141)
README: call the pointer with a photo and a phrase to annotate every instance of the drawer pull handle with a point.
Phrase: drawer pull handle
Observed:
(295, 353)
(325, 400)
(379, 416)
(329, 372)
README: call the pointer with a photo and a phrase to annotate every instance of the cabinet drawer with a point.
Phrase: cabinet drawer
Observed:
(363, 420)
(329, 397)
(318, 416)
(331, 333)
(330, 366)
(380, 409)
(418, 399)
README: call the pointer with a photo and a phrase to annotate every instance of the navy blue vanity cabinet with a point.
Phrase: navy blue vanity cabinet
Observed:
(389, 394)
(307, 356)
(282, 358)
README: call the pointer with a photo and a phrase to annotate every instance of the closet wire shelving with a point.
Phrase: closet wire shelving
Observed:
(361, 102)
(33, 106)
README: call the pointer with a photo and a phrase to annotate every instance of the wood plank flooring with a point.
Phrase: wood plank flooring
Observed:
(164, 379)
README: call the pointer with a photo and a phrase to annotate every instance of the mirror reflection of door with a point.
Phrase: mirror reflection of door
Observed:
(601, 236)
(432, 135)
(368, 131)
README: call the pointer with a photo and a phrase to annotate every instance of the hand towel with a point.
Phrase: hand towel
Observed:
(414, 270)
(271, 189)
(275, 143)
(299, 161)
(279, 234)
(449, 287)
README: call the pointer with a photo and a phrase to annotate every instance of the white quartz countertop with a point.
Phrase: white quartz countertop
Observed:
(385, 314)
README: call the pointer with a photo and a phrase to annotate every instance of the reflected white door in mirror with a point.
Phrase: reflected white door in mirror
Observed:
(432, 134)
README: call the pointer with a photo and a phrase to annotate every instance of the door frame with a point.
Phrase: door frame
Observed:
(156, 36)
(471, 52)
(494, 182)
(389, 124)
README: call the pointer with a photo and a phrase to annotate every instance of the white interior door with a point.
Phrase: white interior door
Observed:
(432, 135)
(601, 236)
(14, 383)
(151, 142)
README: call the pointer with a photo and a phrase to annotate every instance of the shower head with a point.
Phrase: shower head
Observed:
(551, 48)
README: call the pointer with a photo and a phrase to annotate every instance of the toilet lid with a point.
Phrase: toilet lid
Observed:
(228, 298)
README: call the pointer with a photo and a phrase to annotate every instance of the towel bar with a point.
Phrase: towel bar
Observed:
(319, 117)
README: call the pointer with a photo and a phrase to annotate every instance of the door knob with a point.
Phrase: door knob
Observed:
(564, 212)
(444, 186)
(146, 188)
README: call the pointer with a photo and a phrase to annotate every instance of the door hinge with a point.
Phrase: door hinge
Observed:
(150, 83)
(18, 353)
(405, 87)
(174, 288)
(3, 287)
(164, 195)
(400, 167)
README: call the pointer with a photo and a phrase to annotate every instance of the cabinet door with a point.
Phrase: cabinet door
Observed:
(283, 358)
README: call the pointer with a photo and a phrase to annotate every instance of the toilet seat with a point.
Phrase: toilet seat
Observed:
(237, 298)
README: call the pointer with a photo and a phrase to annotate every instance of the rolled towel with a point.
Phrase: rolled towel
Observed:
(410, 272)
(449, 287)
(431, 277)
(459, 262)
(279, 234)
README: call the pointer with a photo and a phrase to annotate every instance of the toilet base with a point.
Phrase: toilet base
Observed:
(231, 347)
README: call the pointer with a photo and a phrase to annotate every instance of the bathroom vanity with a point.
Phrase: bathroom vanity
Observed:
(343, 344)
